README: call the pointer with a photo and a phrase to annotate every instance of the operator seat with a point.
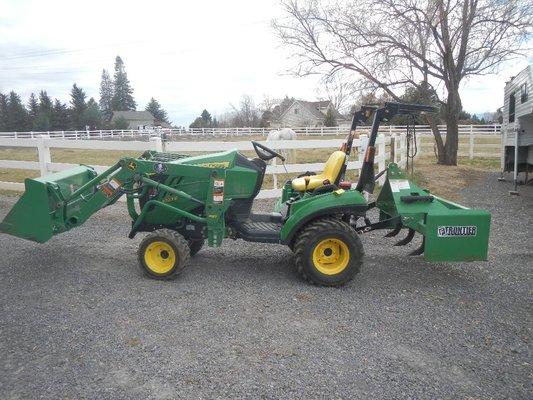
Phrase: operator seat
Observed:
(331, 173)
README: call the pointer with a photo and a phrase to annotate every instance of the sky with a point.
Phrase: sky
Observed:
(189, 55)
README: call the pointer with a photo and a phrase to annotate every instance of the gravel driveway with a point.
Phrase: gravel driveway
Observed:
(79, 321)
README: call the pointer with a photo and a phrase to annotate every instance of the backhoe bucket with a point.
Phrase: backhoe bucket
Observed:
(39, 213)
(451, 232)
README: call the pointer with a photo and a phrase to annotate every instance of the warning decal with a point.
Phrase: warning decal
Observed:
(109, 189)
(399, 184)
(218, 190)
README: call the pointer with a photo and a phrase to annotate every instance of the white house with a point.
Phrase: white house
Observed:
(517, 127)
(307, 113)
(139, 119)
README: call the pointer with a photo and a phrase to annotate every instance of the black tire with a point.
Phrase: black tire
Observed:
(337, 237)
(195, 246)
(162, 254)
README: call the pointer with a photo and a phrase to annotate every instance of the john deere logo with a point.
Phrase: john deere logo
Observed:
(447, 231)
(132, 165)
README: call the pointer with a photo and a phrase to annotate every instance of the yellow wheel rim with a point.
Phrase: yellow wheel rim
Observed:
(331, 256)
(159, 257)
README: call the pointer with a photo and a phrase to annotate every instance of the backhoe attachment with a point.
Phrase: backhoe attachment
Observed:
(450, 231)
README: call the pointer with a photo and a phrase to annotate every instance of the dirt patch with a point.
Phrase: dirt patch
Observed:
(447, 181)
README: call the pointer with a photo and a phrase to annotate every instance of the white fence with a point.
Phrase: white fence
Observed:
(177, 134)
(46, 166)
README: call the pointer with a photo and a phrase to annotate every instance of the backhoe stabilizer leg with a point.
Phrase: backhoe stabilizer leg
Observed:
(420, 250)
(407, 239)
(394, 232)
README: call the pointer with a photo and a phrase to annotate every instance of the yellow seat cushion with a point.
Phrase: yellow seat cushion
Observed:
(332, 170)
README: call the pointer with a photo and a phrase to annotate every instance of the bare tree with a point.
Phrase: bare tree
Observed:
(338, 90)
(432, 45)
(246, 115)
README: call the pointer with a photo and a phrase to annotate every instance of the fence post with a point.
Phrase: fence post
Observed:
(274, 176)
(401, 149)
(392, 148)
(418, 146)
(471, 143)
(157, 143)
(381, 159)
(44, 154)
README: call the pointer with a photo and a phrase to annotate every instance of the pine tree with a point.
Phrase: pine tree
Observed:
(33, 109)
(155, 109)
(77, 108)
(45, 103)
(106, 96)
(3, 112)
(206, 117)
(330, 118)
(59, 120)
(17, 116)
(42, 122)
(122, 91)
(120, 123)
(92, 116)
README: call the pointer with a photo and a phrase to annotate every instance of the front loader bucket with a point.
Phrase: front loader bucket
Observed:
(38, 214)
(451, 232)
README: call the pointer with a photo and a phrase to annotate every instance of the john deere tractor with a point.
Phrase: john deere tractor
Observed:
(183, 201)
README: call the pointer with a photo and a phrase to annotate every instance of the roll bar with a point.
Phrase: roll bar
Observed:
(390, 109)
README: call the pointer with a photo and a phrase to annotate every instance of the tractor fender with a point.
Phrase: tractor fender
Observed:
(320, 206)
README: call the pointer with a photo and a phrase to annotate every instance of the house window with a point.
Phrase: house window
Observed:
(511, 107)
(523, 93)
(296, 111)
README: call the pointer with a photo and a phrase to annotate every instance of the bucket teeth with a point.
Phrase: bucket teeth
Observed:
(394, 232)
(407, 239)
(419, 250)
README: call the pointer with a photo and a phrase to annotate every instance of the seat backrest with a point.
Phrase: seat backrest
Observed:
(334, 165)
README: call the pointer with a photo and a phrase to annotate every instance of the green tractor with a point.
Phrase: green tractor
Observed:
(183, 201)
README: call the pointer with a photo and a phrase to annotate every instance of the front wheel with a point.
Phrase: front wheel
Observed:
(163, 253)
(328, 252)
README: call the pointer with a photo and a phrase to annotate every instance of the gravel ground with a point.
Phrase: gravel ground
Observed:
(79, 321)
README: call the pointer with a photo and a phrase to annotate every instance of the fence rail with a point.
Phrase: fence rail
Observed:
(177, 134)
(389, 148)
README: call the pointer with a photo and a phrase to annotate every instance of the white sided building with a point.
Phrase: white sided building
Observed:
(517, 126)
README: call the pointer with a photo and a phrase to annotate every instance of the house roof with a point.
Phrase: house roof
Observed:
(314, 108)
(133, 115)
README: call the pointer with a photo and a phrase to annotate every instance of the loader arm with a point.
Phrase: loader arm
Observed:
(59, 202)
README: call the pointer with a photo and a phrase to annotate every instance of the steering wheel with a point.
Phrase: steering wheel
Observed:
(264, 153)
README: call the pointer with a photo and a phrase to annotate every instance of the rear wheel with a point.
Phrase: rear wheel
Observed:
(163, 253)
(328, 252)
